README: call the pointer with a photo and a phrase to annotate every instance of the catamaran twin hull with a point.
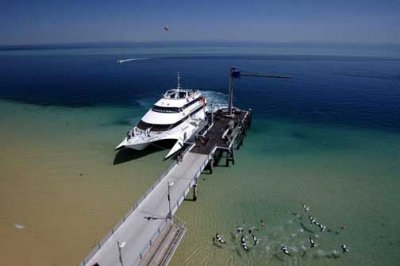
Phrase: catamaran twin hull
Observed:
(138, 139)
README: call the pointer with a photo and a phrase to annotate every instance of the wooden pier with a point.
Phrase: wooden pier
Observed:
(149, 234)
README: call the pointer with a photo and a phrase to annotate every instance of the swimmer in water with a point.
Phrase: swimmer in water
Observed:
(219, 239)
(244, 243)
(345, 248)
(312, 242)
(256, 241)
(285, 250)
(312, 219)
(323, 227)
(251, 229)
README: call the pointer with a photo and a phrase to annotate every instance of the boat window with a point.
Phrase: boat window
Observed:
(153, 127)
(157, 127)
(192, 102)
(172, 94)
(160, 109)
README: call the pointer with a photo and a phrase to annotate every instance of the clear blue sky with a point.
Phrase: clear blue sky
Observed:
(57, 21)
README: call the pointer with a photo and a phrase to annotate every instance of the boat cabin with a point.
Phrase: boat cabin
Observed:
(176, 94)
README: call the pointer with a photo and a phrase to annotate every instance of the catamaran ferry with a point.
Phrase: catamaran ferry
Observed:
(176, 116)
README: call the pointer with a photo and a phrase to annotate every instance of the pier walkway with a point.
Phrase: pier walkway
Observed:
(151, 216)
(132, 237)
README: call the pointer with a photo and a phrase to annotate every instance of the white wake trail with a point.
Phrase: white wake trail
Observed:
(120, 61)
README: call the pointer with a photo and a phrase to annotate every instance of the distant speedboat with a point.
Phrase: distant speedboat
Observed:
(176, 116)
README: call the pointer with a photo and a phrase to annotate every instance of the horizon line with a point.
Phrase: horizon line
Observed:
(100, 44)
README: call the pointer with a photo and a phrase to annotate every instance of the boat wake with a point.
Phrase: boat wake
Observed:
(215, 100)
(120, 61)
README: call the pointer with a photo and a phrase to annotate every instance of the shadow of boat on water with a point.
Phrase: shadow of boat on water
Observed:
(126, 155)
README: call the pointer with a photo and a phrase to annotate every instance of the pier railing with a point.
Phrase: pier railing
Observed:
(174, 208)
(135, 206)
(149, 243)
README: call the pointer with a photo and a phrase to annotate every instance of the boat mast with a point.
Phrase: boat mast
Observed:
(179, 82)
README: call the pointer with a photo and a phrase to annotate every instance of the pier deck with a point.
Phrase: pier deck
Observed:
(214, 135)
(129, 241)
(150, 217)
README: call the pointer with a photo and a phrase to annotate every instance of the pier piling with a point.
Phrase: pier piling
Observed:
(194, 189)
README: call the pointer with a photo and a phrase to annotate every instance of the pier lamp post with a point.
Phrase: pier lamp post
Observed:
(170, 185)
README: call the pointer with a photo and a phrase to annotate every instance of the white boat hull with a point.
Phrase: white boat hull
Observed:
(134, 146)
(181, 134)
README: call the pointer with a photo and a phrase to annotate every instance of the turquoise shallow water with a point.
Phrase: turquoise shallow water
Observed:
(329, 137)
